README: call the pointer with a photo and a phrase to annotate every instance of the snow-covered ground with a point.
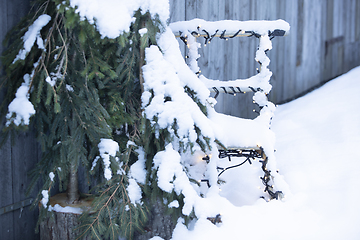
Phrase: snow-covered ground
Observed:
(317, 138)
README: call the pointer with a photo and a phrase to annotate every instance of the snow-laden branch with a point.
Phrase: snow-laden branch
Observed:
(165, 77)
(33, 35)
(21, 109)
(113, 17)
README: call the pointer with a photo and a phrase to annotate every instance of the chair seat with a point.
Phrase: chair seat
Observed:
(239, 133)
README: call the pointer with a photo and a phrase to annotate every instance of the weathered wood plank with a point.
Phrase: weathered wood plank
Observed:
(13, 171)
(190, 9)
(348, 15)
(24, 158)
(202, 11)
(231, 60)
(3, 22)
(6, 196)
(272, 13)
(309, 72)
(329, 35)
(357, 26)
(177, 13)
(337, 56)
(246, 54)
(219, 52)
(177, 10)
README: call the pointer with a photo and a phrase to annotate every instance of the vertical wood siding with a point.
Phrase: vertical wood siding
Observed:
(18, 159)
(323, 43)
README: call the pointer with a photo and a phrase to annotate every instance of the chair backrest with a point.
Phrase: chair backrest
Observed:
(265, 31)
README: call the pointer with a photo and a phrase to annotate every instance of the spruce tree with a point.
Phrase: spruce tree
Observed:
(92, 102)
(79, 89)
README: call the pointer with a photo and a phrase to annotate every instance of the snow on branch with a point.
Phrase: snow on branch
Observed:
(165, 99)
(107, 149)
(21, 109)
(32, 35)
(113, 17)
(172, 177)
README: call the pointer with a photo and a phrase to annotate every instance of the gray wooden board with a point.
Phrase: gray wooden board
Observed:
(299, 61)
(24, 157)
(6, 196)
(16, 160)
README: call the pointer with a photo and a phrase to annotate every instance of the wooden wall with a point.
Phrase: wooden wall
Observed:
(323, 43)
(18, 159)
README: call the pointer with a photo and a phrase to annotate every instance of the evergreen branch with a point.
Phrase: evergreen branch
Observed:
(93, 232)
(44, 6)
(50, 34)
(42, 58)
(113, 233)
(65, 45)
(98, 215)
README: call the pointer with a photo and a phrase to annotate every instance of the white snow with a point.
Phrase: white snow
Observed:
(107, 148)
(166, 74)
(94, 163)
(174, 204)
(156, 238)
(137, 170)
(45, 199)
(231, 26)
(69, 88)
(53, 78)
(134, 192)
(51, 176)
(67, 209)
(113, 17)
(143, 31)
(32, 35)
(20, 105)
(317, 138)
(172, 177)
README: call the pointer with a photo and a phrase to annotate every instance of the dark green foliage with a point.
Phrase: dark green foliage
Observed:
(112, 213)
(96, 94)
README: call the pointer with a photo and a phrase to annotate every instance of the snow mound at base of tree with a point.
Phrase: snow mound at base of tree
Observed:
(67, 209)
(317, 137)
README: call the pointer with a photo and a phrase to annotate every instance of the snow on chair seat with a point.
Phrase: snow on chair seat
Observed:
(259, 140)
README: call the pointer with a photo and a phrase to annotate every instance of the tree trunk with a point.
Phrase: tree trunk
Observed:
(159, 224)
(63, 226)
(72, 191)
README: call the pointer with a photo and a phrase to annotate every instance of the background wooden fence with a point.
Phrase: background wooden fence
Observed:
(18, 159)
(324, 42)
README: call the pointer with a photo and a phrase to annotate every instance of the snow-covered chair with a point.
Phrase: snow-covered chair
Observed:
(260, 143)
